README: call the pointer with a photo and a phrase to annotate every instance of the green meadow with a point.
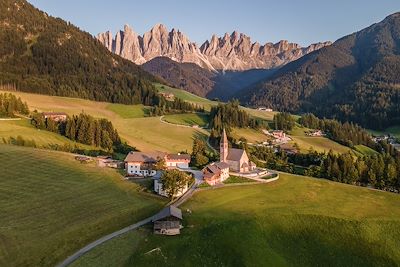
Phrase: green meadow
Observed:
(51, 205)
(320, 144)
(188, 119)
(295, 221)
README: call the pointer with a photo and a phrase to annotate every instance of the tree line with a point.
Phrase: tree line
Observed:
(348, 134)
(230, 115)
(10, 105)
(284, 121)
(380, 170)
(84, 129)
(177, 105)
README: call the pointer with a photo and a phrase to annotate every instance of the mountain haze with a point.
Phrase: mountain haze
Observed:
(231, 52)
(357, 79)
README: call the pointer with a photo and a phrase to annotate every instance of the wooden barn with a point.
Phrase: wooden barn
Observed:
(168, 221)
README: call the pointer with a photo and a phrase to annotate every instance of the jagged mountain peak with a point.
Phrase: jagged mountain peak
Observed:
(232, 51)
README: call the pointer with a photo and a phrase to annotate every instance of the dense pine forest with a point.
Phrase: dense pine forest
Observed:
(47, 55)
(10, 105)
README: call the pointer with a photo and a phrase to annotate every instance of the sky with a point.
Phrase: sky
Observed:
(301, 21)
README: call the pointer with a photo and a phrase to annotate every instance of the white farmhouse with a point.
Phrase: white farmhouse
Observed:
(142, 164)
(159, 190)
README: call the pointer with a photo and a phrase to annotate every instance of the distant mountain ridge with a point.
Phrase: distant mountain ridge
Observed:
(230, 52)
(357, 79)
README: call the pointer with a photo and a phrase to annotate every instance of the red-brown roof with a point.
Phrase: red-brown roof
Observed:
(148, 157)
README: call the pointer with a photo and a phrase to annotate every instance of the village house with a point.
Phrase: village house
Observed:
(143, 164)
(216, 173)
(265, 109)
(177, 160)
(168, 96)
(278, 134)
(158, 188)
(55, 116)
(168, 221)
(237, 159)
(315, 133)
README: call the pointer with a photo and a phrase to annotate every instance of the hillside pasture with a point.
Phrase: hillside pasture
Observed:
(295, 221)
(320, 144)
(188, 119)
(51, 205)
(144, 133)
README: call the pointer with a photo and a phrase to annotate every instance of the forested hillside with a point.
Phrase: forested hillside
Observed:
(357, 79)
(42, 54)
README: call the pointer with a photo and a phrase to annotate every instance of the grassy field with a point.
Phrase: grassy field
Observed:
(365, 150)
(251, 135)
(51, 205)
(42, 138)
(237, 180)
(182, 94)
(129, 111)
(189, 119)
(295, 221)
(320, 144)
(144, 133)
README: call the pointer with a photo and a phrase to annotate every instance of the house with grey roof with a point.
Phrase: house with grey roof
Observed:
(168, 221)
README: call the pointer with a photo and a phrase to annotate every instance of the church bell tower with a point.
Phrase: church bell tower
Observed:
(223, 147)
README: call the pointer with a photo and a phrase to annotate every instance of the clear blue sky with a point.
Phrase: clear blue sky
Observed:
(304, 21)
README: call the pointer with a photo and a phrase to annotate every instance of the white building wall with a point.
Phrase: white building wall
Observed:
(158, 189)
(134, 169)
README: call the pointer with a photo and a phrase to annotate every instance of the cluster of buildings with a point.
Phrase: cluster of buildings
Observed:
(231, 160)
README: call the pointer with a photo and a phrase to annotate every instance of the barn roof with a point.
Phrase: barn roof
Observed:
(235, 154)
(149, 157)
(167, 212)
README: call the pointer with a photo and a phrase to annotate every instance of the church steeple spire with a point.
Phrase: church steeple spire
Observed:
(223, 147)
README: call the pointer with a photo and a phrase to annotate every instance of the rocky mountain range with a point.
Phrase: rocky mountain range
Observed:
(233, 51)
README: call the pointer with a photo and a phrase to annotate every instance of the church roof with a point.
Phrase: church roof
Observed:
(235, 154)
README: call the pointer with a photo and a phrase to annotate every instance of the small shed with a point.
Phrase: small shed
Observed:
(168, 221)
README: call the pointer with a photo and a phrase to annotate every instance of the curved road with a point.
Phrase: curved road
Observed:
(177, 203)
(87, 248)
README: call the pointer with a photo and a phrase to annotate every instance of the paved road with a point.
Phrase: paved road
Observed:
(94, 244)
(198, 176)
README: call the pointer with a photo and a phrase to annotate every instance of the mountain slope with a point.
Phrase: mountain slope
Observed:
(357, 78)
(202, 82)
(230, 52)
(188, 76)
(47, 55)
